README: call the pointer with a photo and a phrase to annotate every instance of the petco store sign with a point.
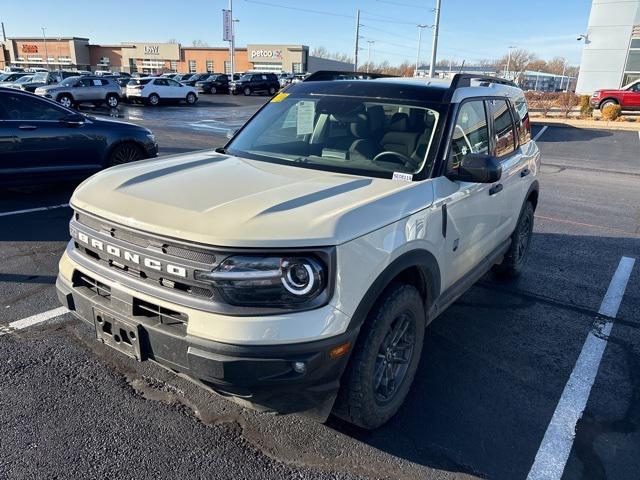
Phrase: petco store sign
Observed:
(266, 54)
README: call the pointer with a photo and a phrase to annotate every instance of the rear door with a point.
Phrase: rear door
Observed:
(176, 89)
(44, 142)
(513, 184)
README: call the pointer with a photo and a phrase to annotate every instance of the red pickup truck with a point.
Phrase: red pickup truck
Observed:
(628, 98)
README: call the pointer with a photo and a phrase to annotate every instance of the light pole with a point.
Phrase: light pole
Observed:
(369, 42)
(232, 45)
(434, 46)
(46, 54)
(420, 27)
(506, 73)
(564, 68)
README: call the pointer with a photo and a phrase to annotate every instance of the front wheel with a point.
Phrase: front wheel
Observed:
(272, 91)
(213, 90)
(385, 359)
(112, 101)
(516, 256)
(65, 100)
(125, 153)
(191, 98)
(247, 91)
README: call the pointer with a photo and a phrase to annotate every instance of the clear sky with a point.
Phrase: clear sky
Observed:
(470, 29)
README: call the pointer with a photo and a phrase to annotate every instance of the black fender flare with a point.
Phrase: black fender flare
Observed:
(429, 270)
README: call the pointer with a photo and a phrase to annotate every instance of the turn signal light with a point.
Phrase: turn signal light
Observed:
(339, 350)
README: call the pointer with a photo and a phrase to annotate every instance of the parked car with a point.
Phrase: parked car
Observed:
(9, 78)
(183, 77)
(298, 267)
(11, 69)
(191, 81)
(40, 140)
(627, 97)
(19, 82)
(42, 79)
(285, 79)
(215, 83)
(86, 89)
(154, 90)
(256, 83)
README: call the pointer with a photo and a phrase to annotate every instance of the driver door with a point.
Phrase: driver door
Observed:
(631, 97)
(473, 212)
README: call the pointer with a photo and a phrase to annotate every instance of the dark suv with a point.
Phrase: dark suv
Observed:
(256, 83)
(214, 83)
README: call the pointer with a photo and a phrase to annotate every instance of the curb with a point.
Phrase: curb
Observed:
(601, 125)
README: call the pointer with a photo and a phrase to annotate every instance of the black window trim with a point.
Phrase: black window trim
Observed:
(492, 132)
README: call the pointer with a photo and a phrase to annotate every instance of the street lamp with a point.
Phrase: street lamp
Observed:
(369, 42)
(46, 53)
(420, 27)
(506, 73)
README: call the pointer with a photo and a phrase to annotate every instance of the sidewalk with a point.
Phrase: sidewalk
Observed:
(579, 123)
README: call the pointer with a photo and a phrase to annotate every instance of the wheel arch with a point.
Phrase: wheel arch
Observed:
(533, 194)
(116, 144)
(607, 99)
(418, 268)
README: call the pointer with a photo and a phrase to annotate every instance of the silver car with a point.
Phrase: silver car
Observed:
(75, 90)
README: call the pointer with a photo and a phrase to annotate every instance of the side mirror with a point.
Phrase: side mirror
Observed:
(478, 168)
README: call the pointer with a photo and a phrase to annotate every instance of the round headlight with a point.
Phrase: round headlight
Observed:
(298, 277)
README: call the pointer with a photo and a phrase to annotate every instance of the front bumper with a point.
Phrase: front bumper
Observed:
(261, 376)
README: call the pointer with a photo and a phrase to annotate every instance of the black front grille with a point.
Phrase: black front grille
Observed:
(161, 314)
(81, 280)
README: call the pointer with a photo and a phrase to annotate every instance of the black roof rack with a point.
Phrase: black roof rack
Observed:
(328, 75)
(464, 80)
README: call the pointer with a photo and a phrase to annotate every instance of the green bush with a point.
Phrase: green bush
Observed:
(611, 112)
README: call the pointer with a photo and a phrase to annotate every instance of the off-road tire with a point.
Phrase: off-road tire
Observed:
(357, 400)
(516, 257)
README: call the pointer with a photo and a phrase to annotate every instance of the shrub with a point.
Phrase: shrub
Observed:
(611, 112)
(566, 101)
(546, 102)
(585, 109)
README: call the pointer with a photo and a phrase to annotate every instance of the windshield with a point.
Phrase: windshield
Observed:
(25, 79)
(356, 135)
(69, 82)
(40, 77)
(245, 78)
(3, 77)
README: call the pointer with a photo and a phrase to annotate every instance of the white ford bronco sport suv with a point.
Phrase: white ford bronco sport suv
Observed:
(295, 269)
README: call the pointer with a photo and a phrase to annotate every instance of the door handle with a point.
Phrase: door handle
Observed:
(495, 189)
(27, 127)
(525, 172)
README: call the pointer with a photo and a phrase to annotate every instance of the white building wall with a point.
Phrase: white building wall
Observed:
(607, 44)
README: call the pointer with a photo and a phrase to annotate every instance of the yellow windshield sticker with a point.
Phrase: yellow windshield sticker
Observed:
(280, 97)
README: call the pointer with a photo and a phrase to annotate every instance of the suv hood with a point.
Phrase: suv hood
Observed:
(221, 200)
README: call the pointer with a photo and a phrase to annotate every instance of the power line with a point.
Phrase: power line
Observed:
(307, 10)
(401, 4)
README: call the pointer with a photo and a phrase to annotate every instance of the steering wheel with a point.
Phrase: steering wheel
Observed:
(404, 159)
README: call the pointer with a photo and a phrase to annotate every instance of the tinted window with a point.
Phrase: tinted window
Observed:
(172, 83)
(137, 81)
(470, 134)
(161, 81)
(522, 120)
(26, 107)
(503, 127)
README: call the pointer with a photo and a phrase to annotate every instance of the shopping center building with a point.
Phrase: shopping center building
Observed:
(611, 55)
(149, 58)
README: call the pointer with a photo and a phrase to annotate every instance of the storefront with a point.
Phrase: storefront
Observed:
(278, 58)
(54, 53)
(611, 55)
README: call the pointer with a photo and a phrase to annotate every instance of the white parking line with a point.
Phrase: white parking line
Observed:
(33, 320)
(539, 134)
(558, 439)
(30, 210)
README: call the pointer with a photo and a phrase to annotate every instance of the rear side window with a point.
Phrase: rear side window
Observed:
(470, 134)
(136, 81)
(161, 81)
(504, 134)
(523, 126)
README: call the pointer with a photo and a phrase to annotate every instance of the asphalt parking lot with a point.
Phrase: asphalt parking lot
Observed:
(494, 367)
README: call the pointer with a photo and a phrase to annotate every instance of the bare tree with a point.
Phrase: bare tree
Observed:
(557, 65)
(172, 40)
(520, 59)
(199, 43)
(320, 52)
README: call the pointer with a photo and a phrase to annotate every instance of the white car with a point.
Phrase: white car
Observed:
(154, 90)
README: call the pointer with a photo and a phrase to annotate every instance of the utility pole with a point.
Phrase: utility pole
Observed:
(4, 35)
(46, 54)
(355, 54)
(434, 47)
(369, 53)
(232, 42)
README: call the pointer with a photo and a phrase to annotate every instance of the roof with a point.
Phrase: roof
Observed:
(50, 38)
(420, 89)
